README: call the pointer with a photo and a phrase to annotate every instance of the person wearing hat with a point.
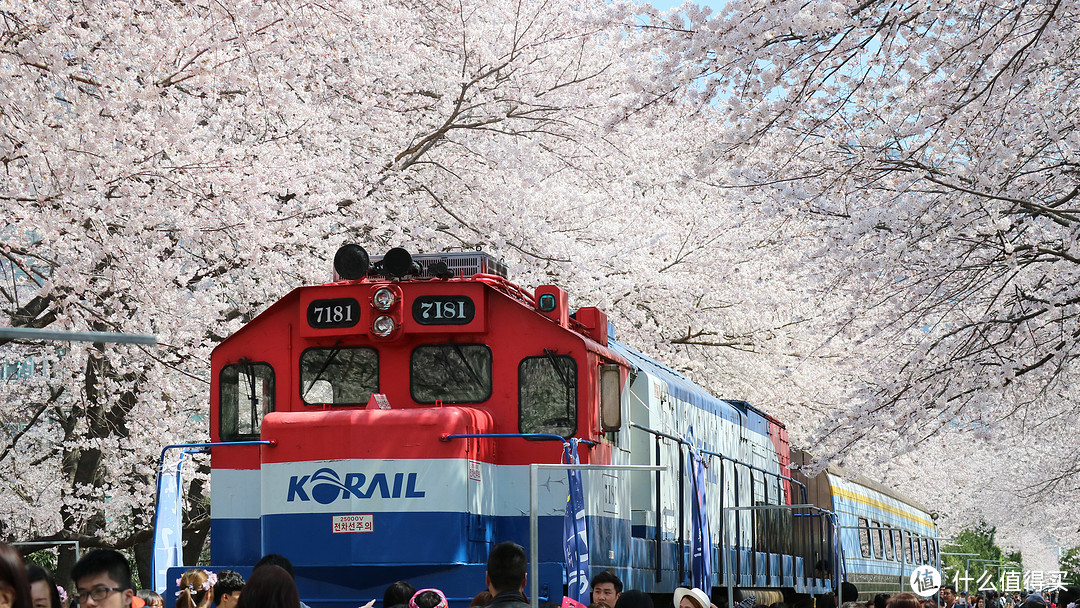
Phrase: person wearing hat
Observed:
(1034, 600)
(691, 598)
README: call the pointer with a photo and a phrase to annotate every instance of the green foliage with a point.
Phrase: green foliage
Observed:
(46, 558)
(978, 556)
(1070, 564)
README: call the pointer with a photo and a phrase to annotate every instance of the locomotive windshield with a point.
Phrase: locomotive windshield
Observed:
(338, 376)
(246, 394)
(451, 373)
(547, 394)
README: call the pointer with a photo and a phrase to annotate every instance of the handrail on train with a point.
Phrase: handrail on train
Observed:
(529, 436)
(738, 527)
(534, 507)
(725, 457)
(161, 469)
(836, 553)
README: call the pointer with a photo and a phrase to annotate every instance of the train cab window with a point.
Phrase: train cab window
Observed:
(931, 551)
(864, 537)
(547, 394)
(246, 394)
(451, 373)
(338, 376)
(876, 541)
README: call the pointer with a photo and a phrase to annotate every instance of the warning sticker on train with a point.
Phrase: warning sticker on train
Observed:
(346, 524)
(925, 581)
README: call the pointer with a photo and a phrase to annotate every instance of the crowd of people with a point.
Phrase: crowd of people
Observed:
(947, 597)
(1054, 598)
(102, 579)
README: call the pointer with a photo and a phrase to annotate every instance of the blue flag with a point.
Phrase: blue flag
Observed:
(168, 526)
(700, 539)
(576, 547)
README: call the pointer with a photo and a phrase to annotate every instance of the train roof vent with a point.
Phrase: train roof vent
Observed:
(458, 263)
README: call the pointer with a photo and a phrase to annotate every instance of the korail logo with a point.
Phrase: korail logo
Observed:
(326, 485)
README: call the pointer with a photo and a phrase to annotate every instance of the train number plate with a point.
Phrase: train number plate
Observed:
(348, 524)
(443, 310)
(339, 312)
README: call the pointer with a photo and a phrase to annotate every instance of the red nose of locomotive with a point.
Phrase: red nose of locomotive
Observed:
(382, 394)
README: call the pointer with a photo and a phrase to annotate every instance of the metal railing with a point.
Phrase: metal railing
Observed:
(736, 463)
(51, 543)
(816, 511)
(161, 468)
(534, 507)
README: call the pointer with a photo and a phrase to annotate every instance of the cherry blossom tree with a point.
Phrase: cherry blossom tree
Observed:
(854, 214)
(172, 169)
(933, 148)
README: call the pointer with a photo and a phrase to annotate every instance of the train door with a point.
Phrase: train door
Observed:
(643, 484)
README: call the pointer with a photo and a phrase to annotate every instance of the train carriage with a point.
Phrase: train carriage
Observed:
(400, 406)
(883, 534)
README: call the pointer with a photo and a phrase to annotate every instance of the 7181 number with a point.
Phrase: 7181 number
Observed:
(442, 310)
(340, 313)
(337, 312)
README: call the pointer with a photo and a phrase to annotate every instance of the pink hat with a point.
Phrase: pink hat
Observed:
(442, 598)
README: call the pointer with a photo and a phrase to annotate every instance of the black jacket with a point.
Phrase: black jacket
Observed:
(509, 599)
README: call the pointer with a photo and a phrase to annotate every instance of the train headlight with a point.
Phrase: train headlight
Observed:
(383, 326)
(383, 299)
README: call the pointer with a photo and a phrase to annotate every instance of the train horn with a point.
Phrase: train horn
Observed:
(351, 262)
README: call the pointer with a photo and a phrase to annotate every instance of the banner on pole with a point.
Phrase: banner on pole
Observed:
(575, 535)
(168, 526)
(700, 539)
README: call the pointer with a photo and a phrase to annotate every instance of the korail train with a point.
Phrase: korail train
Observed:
(401, 406)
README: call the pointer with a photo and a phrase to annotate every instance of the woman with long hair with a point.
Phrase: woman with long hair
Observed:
(14, 588)
(43, 590)
(270, 587)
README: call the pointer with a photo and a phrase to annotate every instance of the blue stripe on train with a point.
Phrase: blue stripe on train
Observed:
(235, 541)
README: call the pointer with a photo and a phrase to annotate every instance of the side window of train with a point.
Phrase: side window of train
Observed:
(887, 533)
(931, 552)
(610, 399)
(451, 373)
(338, 376)
(875, 537)
(907, 546)
(246, 394)
(547, 394)
(864, 537)
(917, 550)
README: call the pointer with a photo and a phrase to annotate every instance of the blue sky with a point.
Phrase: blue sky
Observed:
(669, 4)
